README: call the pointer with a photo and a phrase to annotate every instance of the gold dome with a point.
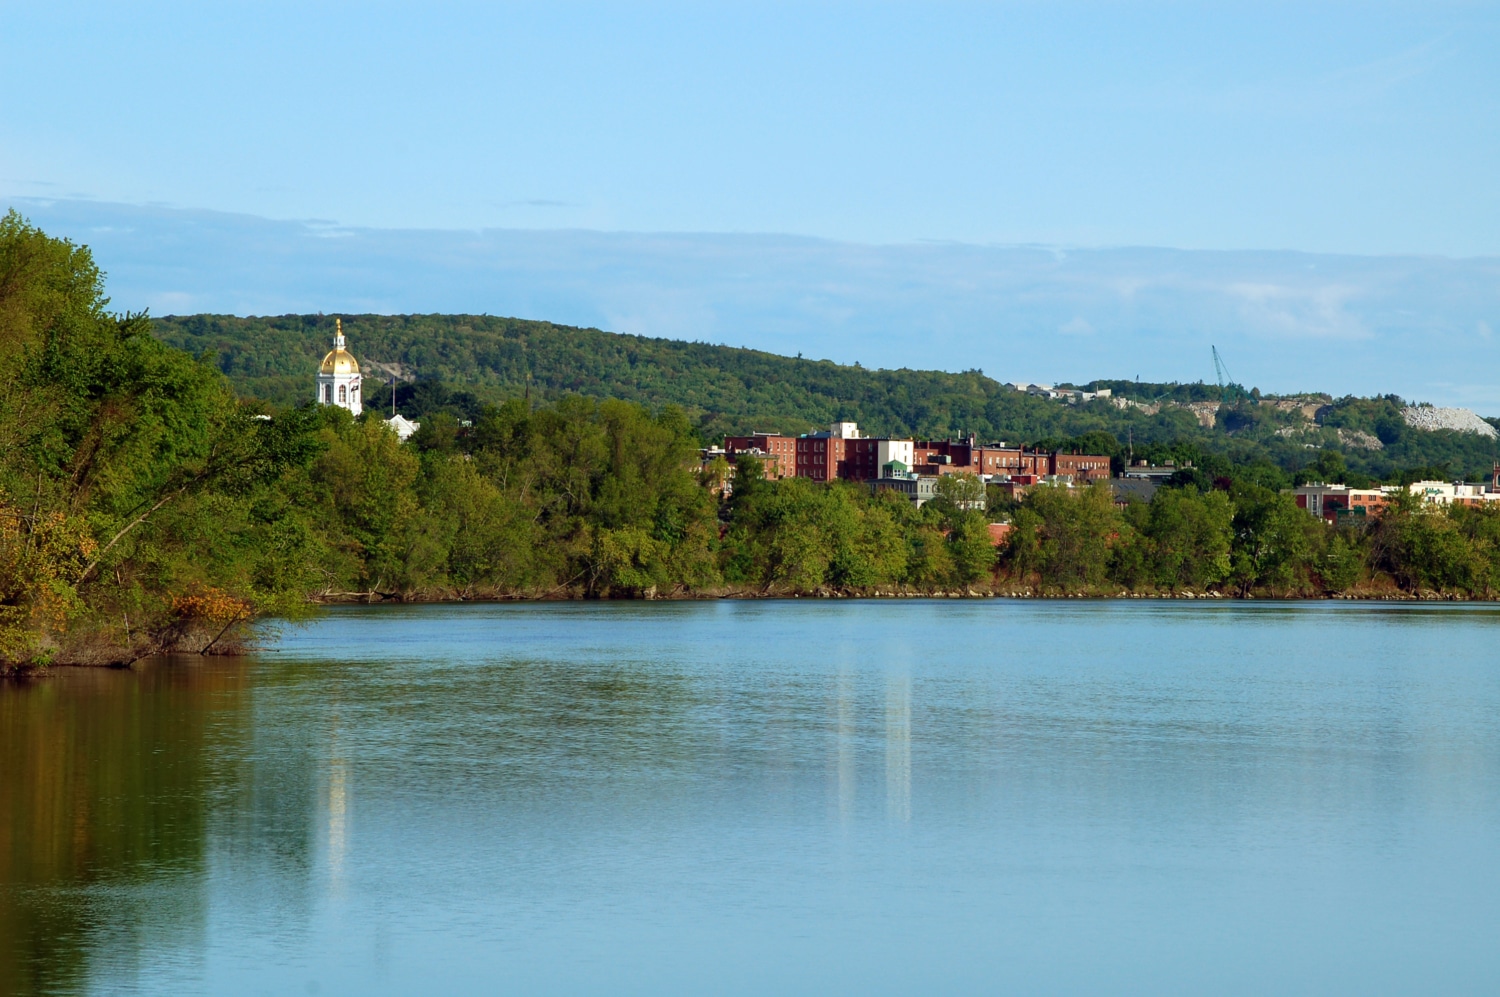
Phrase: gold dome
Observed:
(339, 362)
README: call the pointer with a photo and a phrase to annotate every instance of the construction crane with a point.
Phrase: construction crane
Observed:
(1228, 390)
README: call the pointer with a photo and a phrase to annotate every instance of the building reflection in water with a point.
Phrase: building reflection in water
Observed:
(847, 743)
(898, 746)
(338, 811)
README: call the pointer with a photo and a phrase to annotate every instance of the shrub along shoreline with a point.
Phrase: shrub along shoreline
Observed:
(146, 509)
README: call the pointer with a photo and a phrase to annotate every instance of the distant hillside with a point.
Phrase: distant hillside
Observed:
(725, 389)
(460, 361)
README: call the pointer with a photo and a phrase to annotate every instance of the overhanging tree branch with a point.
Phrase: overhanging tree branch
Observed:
(137, 521)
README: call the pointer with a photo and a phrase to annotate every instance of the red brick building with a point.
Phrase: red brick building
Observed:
(1083, 467)
(1335, 502)
(825, 457)
(778, 453)
(839, 453)
(842, 453)
(968, 457)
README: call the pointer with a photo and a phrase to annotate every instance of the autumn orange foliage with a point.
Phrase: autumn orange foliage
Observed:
(210, 605)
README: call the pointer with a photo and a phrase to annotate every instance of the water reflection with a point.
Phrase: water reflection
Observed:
(667, 799)
(898, 747)
(846, 735)
(103, 812)
(338, 809)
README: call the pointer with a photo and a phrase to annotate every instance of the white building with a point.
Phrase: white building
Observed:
(900, 451)
(844, 431)
(1071, 395)
(338, 376)
(1451, 492)
(402, 426)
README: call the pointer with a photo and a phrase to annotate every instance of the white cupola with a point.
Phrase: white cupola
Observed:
(338, 376)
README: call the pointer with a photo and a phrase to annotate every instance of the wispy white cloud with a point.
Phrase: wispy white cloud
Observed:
(1286, 321)
(1319, 311)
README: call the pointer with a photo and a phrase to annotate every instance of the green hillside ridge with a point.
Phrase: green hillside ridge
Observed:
(461, 362)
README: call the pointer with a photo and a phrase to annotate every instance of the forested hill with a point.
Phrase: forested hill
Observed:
(459, 362)
(725, 389)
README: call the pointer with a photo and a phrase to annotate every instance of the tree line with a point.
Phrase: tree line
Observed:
(1243, 539)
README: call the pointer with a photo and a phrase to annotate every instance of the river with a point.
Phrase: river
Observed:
(798, 797)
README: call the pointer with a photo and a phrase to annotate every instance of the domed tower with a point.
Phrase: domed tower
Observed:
(338, 377)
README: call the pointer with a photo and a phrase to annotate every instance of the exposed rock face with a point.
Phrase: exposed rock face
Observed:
(1307, 405)
(1360, 440)
(1356, 439)
(1150, 408)
(1204, 411)
(399, 371)
(1459, 419)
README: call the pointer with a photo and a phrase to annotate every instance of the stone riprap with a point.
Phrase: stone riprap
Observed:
(1460, 419)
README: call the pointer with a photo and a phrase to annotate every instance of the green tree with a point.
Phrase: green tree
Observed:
(972, 550)
(929, 557)
(1273, 542)
(1342, 562)
(1189, 534)
(958, 492)
(1062, 536)
(1422, 547)
(129, 473)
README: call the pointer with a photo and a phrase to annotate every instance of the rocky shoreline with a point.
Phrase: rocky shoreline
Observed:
(377, 598)
(96, 654)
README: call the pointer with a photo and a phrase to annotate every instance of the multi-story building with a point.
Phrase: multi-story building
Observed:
(1337, 503)
(838, 452)
(841, 452)
(777, 453)
(1152, 472)
(998, 460)
(1333, 502)
(894, 455)
(920, 489)
(1080, 467)
(1455, 493)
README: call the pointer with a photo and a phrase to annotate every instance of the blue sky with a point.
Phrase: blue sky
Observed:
(1353, 127)
(933, 185)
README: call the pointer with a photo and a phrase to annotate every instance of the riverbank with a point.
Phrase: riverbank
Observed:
(101, 653)
(1391, 594)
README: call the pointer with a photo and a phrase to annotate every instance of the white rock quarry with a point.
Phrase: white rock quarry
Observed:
(1355, 438)
(1459, 419)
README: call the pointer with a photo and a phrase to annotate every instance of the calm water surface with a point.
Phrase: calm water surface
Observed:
(770, 798)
